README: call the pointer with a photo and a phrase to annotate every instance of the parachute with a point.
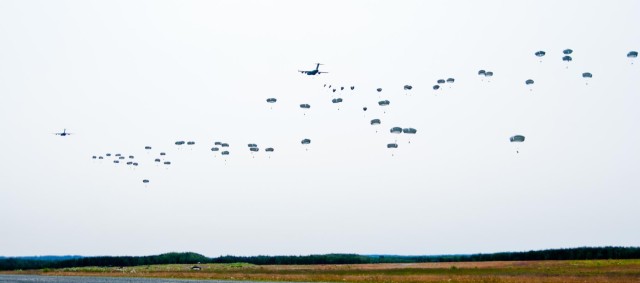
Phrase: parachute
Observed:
(120, 157)
(254, 149)
(214, 149)
(450, 80)
(100, 157)
(379, 89)
(179, 142)
(567, 59)
(632, 55)
(135, 163)
(94, 157)
(353, 87)
(131, 157)
(587, 75)
(252, 145)
(516, 138)
(306, 141)
(191, 143)
(364, 108)
(157, 160)
(217, 143)
(384, 102)
(409, 130)
(116, 161)
(162, 154)
(305, 106)
(145, 181)
(225, 153)
(567, 51)
(108, 154)
(269, 149)
(396, 130)
(167, 163)
(375, 122)
(482, 73)
(407, 87)
(341, 88)
(529, 82)
(129, 163)
(436, 87)
(540, 53)
(271, 100)
(392, 145)
(336, 100)
(488, 74)
(118, 154)
(441, 81)
(147, 147)
(224, 145)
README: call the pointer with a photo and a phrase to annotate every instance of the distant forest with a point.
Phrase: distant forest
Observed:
(24, 263)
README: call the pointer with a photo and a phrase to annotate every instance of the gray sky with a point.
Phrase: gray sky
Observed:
(121, 75)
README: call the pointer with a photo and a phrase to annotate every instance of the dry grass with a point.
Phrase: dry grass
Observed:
(496, 271)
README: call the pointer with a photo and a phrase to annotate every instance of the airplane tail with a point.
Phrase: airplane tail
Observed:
(318, 66)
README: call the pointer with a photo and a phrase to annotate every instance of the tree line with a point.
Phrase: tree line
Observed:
(583, 253)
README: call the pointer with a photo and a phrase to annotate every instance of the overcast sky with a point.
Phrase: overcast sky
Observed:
(122, 75)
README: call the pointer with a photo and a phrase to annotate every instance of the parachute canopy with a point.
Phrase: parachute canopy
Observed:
(364, 108)
(254, 149)
(632, 54)
(540, 53)
(441, 81)
(567, 51)
(157, 160)
(392, 145)
(162, 153)
(353, 87)
(306, 141)
(224, 144)
(271, 100)
(384, 102)
(567, 58)
(191, 142)
(225, 153)
(269, 149)
(214, 149)
(407, 87)
(375, 122)
(179, 142)
(336, 100)
(517, 138)
(145, 181)
(252, 145)
(396, 130)
(409, 130)
(436, 87)
(167, 163)
(587, 75)
(529, 82)
(305, 106)
(451, 80)
(147, 147)
(379, 89)
(482, 73)
(488, 74)
(217, 143)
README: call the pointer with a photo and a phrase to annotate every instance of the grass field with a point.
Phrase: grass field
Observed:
(497, 271)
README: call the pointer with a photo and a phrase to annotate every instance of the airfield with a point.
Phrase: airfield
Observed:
(494, 271)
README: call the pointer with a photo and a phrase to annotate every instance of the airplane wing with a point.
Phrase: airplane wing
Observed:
(302, 72)
(322, 72)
